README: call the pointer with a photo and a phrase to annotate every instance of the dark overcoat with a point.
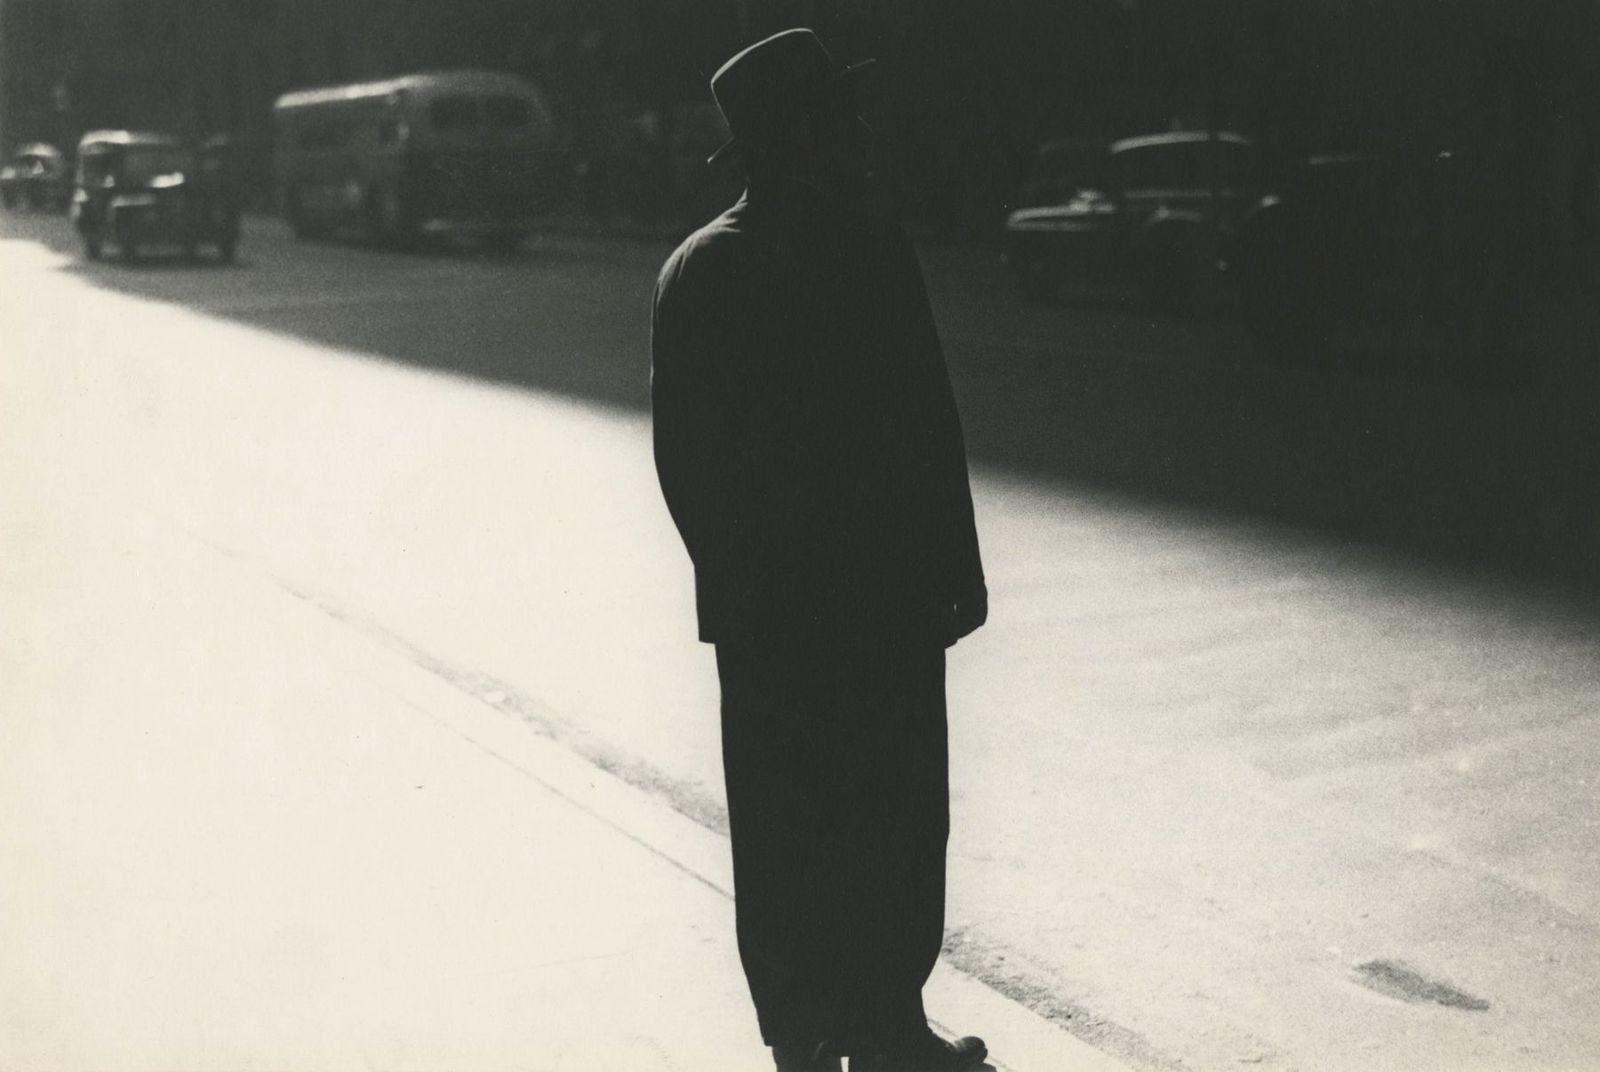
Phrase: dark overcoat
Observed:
(806, 436)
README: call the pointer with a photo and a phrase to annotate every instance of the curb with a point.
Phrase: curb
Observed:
(1018, 1038)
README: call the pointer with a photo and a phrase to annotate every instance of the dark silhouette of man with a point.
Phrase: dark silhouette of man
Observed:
(810, 452)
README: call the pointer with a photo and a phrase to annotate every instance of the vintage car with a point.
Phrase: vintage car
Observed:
(1407, 260)
(1157, 213)
(35, 176)
(1060, 170)
(137, 190)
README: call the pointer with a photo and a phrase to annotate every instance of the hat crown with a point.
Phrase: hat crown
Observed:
(770, 79)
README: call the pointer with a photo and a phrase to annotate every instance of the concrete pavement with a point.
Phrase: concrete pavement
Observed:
(241, 834)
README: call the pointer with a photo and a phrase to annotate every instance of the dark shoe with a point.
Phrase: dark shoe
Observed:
(927, 1053)
(806, 1058)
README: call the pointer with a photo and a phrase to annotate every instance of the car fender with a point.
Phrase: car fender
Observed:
(1168, 232)
(130, 203)
(1262, 235)
(1266, 215)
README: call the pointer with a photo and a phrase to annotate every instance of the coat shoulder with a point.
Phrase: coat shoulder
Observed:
(712, 257)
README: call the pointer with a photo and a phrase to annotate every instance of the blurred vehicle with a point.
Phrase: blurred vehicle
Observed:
(135, 190)
(1444, 256)
(1060, 170)
(1158, 213)
(36, 176)
(452, 153)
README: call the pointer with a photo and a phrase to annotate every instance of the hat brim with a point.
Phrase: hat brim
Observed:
(848, 78)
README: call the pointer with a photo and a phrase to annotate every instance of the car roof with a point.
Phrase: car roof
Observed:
(457, 81)
(39, 148)
(98, 138)
(1069, 145)
(1180, 137)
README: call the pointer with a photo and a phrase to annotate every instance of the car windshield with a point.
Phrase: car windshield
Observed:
(1178, 166)
(144, 163)
(454, 114)
(1193, 165)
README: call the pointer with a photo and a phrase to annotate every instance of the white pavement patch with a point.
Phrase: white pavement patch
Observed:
(244, 835)
(1018, 1038)
(227, 849)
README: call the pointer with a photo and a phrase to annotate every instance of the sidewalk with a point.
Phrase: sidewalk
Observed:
(242, 835)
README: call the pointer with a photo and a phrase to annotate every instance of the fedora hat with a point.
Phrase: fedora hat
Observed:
(775, 79)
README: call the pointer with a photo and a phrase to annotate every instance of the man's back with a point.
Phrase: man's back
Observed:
(806, 437)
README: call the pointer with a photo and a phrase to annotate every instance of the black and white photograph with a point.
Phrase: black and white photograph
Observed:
(816, 535)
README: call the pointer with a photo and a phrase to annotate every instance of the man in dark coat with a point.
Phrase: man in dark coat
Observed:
(810, 452)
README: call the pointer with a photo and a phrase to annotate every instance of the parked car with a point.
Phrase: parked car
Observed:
(1442, 256)
(136, 190)
(35, 176)
(1060, 170)
(1157, 213)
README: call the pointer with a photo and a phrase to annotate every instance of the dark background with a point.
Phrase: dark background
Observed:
(1420, 450)
(969, 87)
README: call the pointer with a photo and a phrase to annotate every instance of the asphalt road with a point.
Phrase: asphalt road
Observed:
(1272, 755)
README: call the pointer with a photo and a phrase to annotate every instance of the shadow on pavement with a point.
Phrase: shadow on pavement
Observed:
(1496, 475)
(1491, 471)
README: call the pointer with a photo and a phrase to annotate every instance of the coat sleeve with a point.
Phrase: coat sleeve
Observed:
(962, 562)
(693, 415)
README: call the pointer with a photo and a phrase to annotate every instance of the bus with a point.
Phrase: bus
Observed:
(450, 153)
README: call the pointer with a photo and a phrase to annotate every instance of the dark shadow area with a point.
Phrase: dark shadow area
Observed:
(1128, 302)
(157, 260)
(1491, 473)
(429, 246)
(1488, 474)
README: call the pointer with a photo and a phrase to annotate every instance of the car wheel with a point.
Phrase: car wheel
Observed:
(120, 231)
(299, 222)
(227, 248)
(91, 248)
(388, 218)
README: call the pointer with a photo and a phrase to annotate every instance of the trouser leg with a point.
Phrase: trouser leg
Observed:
(836, 770)
(775, 753)
(896, 801)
